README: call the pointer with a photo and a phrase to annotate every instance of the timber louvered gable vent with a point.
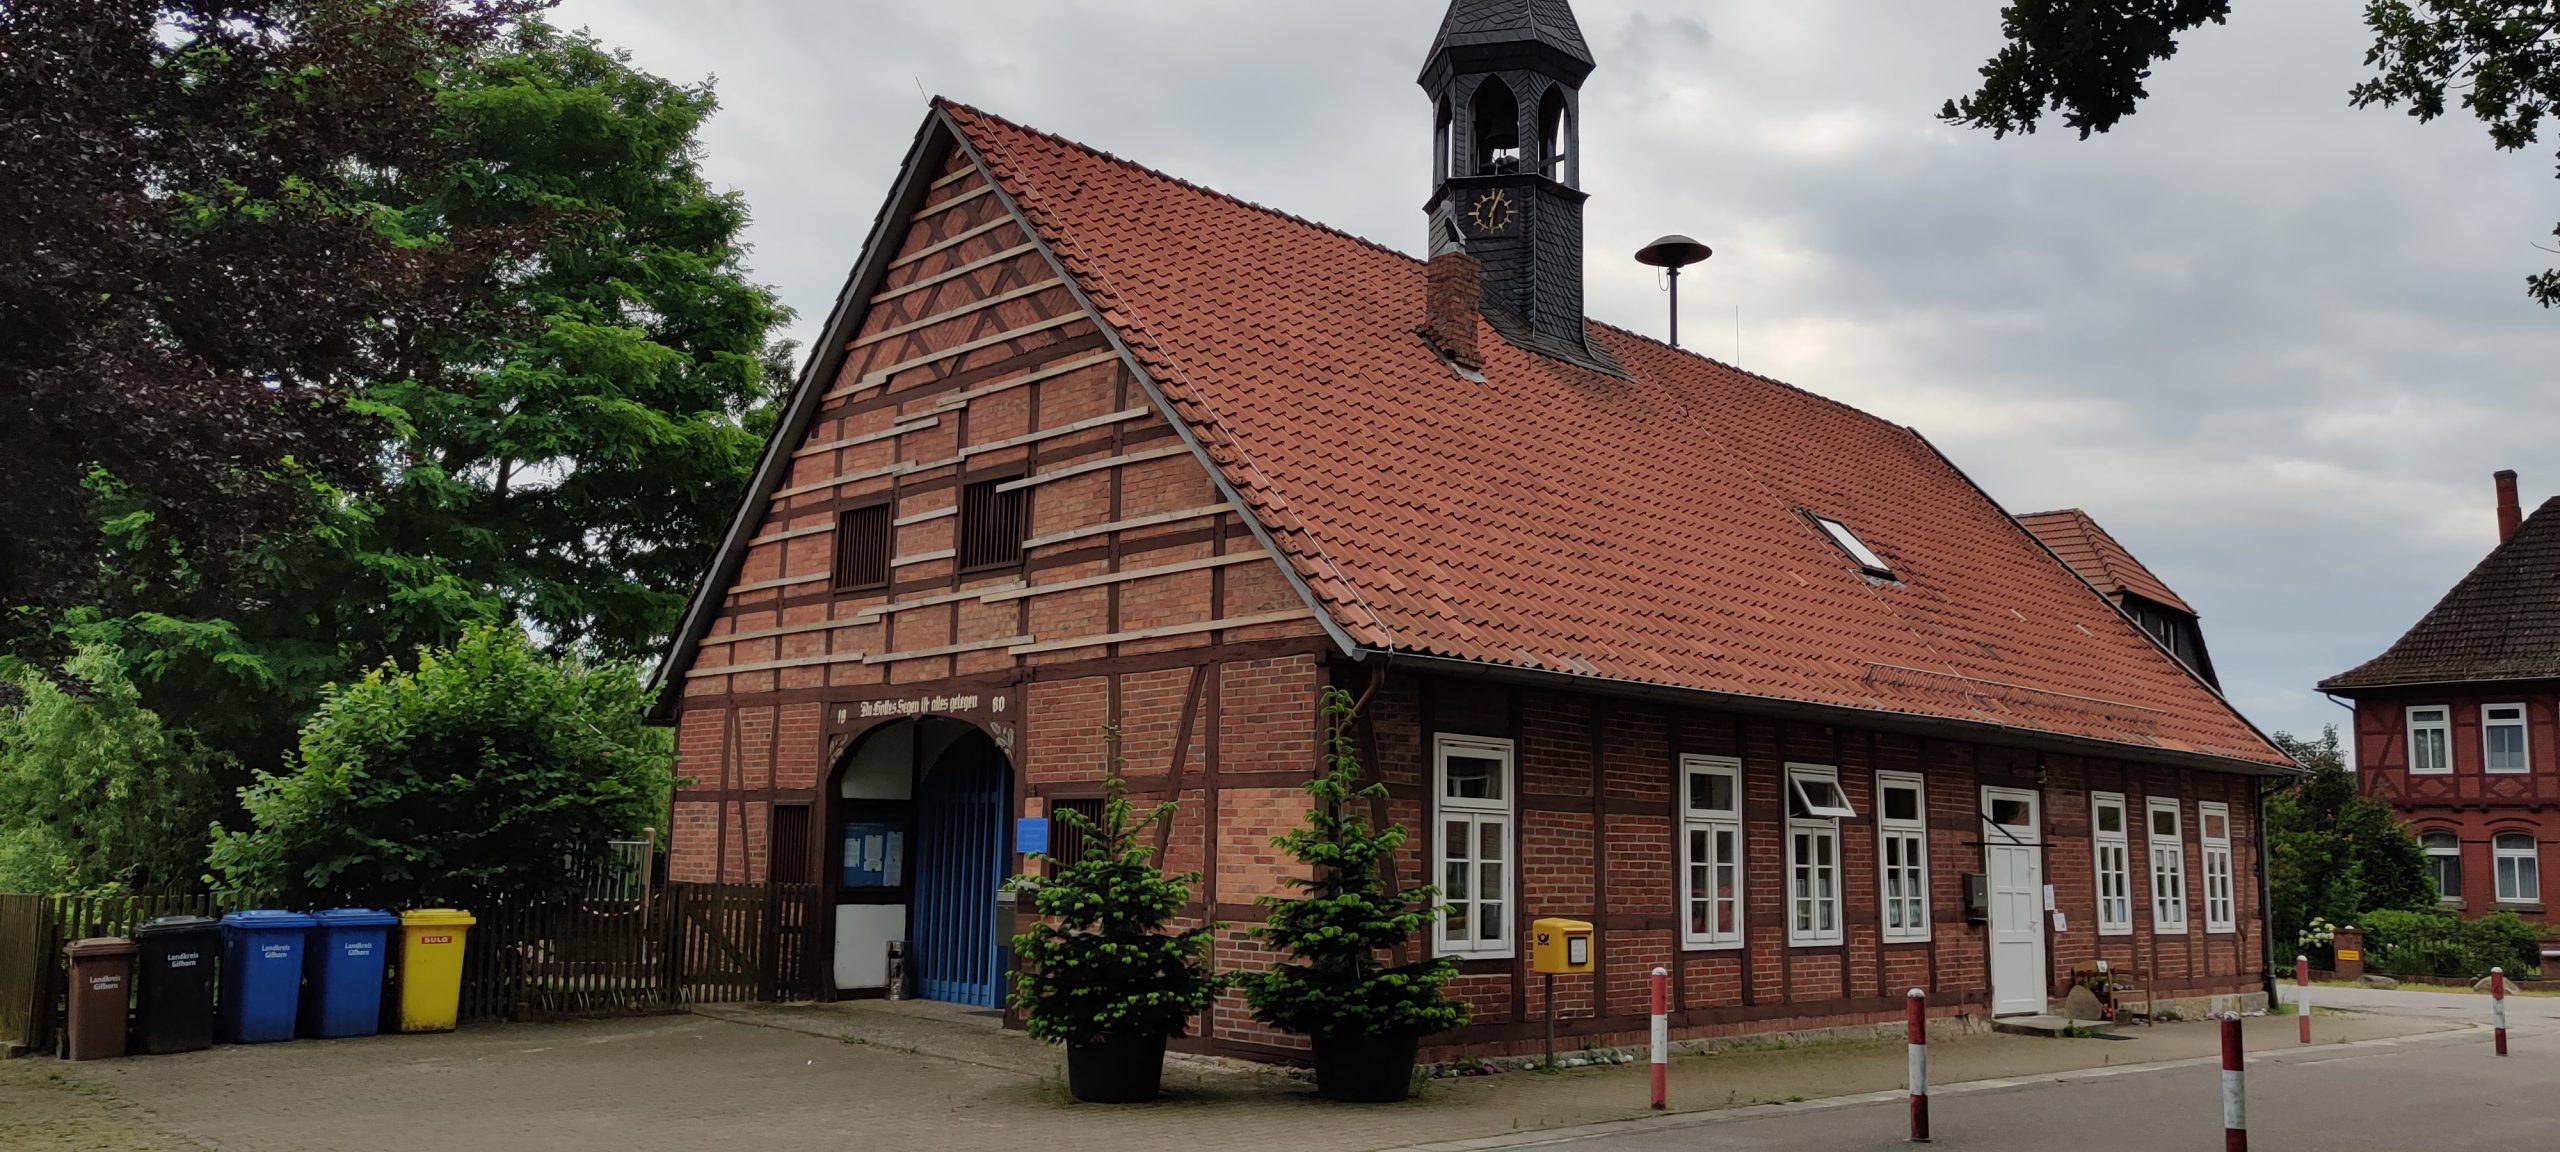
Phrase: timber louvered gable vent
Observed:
(862, 548)
(990, 524)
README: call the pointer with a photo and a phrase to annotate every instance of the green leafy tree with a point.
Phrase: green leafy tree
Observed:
(2333, 852)
(2089, 59)
(488, 772)
(572, 458)
(202, 270)
(94, 792)
(1349, 915)
(1106, 960)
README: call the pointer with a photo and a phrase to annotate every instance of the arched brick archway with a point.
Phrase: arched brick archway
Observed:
(916, 810)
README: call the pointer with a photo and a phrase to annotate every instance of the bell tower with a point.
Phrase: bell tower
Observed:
(1505, 79)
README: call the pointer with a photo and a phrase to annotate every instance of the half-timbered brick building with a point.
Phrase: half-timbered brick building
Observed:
(1761, 685)
(2457, 724)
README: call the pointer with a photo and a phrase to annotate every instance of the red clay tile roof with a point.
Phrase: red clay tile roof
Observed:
(2096, 556)
(1650, 530)
(2501, 622)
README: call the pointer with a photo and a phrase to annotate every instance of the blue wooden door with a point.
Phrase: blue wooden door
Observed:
(960, 808)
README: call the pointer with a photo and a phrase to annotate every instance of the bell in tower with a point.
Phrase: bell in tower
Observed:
(1505, 78)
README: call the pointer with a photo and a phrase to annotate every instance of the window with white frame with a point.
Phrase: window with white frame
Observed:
(1815, 807)
(2213, 831)
(2502, 739)
(2107, 833)
(2444, 863)
(1472, 801)
(2430, 741)
(2519, 870)
(2165, 840)
(1711, 852)
(1902, 854)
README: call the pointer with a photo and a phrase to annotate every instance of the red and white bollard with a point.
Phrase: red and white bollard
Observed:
(2302, 994)
(1661, 1039)
(2235, 1090)
(1916, 1025)
(2498, 1007)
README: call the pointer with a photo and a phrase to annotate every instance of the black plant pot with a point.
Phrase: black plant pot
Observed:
(1116, 1069)
(1365, 1069)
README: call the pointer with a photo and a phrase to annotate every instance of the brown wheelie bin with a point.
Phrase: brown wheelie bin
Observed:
(101, 995)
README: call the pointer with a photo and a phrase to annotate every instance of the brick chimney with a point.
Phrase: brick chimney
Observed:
(2510, 513)
(1452, 295)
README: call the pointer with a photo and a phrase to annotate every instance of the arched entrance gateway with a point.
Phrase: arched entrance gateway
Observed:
(915, 854)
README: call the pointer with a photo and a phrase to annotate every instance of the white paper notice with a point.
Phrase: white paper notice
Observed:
(896, 850)
(2058, 922)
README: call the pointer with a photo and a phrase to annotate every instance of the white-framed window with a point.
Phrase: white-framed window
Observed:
(1902, 854)
(2502, 747)
(2107, 832)
(2165, 841)
(1711, 852)
(2444, 863)
(1472, 812)
(1815, 807)
(2213, 831)
(2519, 868)
(2430, 741)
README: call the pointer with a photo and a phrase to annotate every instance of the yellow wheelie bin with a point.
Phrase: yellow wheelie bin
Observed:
(431, 941)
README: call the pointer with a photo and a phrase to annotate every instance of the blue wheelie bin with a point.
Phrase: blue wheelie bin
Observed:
(342, 967)
(261, 974)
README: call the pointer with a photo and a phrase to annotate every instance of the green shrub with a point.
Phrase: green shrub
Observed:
(1349, 912)
(487, 773)
(1104, 963)
(2440, 944)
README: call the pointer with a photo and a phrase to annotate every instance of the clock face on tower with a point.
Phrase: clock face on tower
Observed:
(1493, 211)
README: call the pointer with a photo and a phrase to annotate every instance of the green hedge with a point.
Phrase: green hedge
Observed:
(2440, 944)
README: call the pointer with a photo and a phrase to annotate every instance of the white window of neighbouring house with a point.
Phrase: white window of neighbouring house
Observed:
(2430, 741)
(1902, 854)
(1473, 798)
(1711, 852)
(2213, 830)
(2519, 872)
(1815, 807)
(2502, 738)
(2115, 870)
(2164, 839)
(2444, 863)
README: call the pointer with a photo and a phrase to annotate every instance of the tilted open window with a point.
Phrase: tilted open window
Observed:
(1814, 794)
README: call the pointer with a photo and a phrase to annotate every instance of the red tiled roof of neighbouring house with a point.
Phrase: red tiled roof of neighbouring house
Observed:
(2501, 622)
(1651, 530)
(2096, 556)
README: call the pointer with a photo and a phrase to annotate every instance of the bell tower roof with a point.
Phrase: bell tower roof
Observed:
(1483, 32)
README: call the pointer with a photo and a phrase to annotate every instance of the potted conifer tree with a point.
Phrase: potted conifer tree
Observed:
(1365, 1016)
(1105, 972)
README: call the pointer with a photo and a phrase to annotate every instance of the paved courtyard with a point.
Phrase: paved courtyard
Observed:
(927, 1077)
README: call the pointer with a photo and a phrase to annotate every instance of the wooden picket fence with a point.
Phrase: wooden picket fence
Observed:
(613, 951)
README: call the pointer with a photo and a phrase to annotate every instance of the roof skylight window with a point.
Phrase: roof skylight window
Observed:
(1856, 548)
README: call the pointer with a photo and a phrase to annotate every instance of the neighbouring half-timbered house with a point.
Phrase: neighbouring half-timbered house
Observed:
(2457, 724)
(1761, 685)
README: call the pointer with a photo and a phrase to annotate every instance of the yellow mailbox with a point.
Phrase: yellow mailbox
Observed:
(1558, 945)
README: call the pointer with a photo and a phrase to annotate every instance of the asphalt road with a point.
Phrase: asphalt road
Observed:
(2444, 1092)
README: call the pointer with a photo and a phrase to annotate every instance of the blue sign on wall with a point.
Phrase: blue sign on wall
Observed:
(1031, 834)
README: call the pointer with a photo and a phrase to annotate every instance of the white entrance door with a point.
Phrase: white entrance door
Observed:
(2013, 865)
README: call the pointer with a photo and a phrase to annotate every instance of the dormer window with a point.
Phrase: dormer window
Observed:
(1857, 549)
(1558, 157)
(1495, 129)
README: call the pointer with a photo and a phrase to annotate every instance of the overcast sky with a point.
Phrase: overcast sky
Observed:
(2274, 344)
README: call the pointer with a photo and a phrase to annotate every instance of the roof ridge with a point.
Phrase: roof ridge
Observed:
(1365, 242)
(1170, 178)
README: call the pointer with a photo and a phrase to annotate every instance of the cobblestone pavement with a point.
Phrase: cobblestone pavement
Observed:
(779, 1079)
